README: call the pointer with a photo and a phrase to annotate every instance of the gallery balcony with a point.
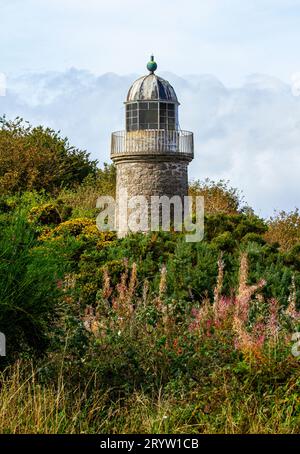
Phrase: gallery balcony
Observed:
(157, 143)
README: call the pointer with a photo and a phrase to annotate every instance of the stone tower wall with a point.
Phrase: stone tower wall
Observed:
(151, 178)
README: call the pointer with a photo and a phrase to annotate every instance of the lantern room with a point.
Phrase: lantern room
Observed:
(151, 103)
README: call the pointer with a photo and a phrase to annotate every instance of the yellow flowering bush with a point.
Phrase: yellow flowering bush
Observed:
(44, 214)
(80, 228)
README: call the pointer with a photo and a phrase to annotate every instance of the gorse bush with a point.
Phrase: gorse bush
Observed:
(49, 214)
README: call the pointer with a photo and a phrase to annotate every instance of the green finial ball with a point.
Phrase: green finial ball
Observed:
(151, 65)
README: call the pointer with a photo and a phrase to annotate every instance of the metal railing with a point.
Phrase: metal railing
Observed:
(150, 141)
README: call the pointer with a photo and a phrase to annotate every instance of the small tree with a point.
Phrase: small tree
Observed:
(35, 158)
(219, 197)
(284, 228)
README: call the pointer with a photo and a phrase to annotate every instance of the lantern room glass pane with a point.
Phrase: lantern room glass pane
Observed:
(131, 117)
(171, 123)
(167, 116)
(148, 119)
(171, 109)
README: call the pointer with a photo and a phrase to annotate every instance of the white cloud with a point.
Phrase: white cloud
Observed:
(249, 135)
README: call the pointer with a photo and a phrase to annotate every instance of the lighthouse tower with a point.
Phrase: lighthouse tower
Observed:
(153, 153)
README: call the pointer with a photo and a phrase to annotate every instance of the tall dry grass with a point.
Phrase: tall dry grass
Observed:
(28, 407)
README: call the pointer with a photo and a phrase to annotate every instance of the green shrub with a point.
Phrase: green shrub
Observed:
(28, 288)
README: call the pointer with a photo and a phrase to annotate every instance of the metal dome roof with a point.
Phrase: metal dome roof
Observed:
(151, 88)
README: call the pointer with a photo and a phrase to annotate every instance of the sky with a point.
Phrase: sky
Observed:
(234, 65)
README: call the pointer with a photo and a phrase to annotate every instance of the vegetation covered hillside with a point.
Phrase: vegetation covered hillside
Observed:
(143, 334)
